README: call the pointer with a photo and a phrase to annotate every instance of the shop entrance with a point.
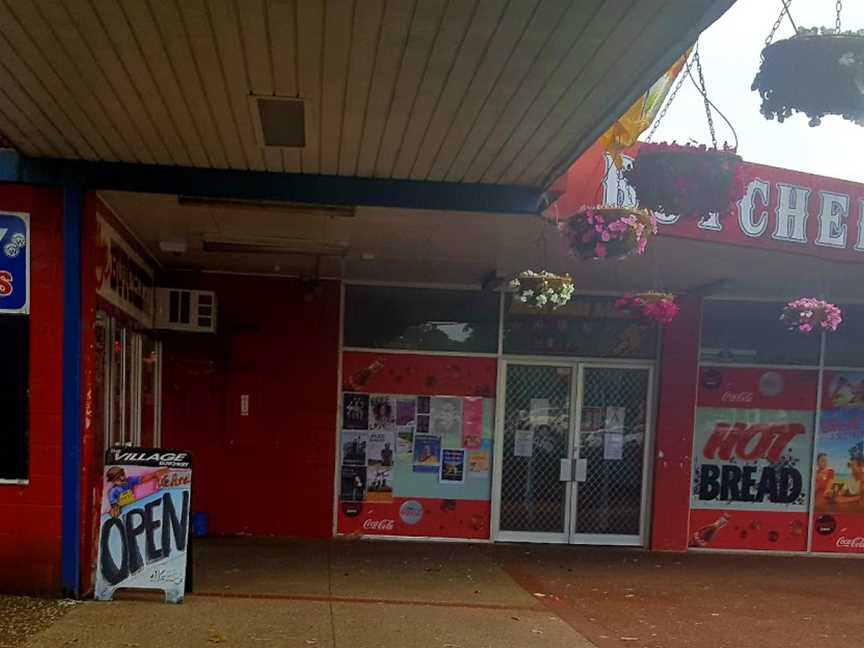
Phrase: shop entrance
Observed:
(557, 481)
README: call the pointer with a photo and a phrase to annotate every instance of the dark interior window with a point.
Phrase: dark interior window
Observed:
(588, 326)
(845, 347)
(752, 333)
(421, 319)
(14, 382)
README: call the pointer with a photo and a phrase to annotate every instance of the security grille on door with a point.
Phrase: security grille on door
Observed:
(536, 431)
(612, 440)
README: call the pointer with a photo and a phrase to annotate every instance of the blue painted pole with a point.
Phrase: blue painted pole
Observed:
(71, 520)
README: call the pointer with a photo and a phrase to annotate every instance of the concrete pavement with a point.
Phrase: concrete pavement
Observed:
(259, 593)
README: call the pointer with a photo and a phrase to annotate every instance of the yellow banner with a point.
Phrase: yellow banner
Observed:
(624, 132)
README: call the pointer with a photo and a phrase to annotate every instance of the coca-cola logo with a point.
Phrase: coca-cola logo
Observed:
(379, 525)
(851, 543)
(411, 512)
(737, 397)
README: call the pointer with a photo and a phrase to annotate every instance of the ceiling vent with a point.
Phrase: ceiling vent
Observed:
(280, 122)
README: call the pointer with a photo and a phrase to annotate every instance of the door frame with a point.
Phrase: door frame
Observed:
(576, 367)
(619, 540)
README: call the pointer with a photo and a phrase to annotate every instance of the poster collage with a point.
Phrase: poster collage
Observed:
(436, 436)
(838, 525)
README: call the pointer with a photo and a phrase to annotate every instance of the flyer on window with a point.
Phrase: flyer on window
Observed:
(472, 423)
(452, 466)
(446, 420)
(382, 413)
(427, 453)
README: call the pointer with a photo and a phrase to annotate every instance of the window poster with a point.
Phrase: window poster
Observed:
(415, 465)
(406, 411)
(427, 453)
(478, 464)
(752, 455)
(353, 484)
(838, 524)
(472, 423)
(405, 441)
(382, 413)
(452, 466)
(446, 420)
(523, 443)
(354, 447)
(355, 411)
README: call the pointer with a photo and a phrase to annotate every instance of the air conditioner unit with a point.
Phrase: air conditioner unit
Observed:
(178, 309)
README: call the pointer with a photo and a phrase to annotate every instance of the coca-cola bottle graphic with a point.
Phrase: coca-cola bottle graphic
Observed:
(359, 379)
(704, 536)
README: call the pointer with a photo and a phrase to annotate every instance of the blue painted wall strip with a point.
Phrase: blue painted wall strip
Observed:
(71, 529)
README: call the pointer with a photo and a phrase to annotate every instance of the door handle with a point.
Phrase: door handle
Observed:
(580, 472)
(565, 470)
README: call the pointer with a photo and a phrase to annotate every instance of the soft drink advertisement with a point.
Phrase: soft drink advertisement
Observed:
(14, 262)
(838, 524)
(752, 455)
(144, 528)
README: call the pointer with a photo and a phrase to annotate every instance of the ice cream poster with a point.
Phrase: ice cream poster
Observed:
(144, 522)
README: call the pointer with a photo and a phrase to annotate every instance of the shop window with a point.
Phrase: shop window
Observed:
(843, 346)
(586, 327)
(752, 333)
(421, 319)
(14, 382)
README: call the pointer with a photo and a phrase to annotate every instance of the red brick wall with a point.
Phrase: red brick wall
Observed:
(679, 369)
(30, 528)
(269, 473)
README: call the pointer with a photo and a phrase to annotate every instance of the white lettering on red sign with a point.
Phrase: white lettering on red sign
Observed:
(379, 525)
(737, 397)
(851, 543)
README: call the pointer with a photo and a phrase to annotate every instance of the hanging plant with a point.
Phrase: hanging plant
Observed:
(690, 181)
(608, 232)
(657, 307)
(808, 315)
(817, 72)
(543, 290)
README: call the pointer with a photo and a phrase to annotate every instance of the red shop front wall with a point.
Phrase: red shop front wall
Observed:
(30, 514)
(268, 470)
(418, 375)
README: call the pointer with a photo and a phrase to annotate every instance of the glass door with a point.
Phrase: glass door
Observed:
(611, 452)
(535, 442)
(557, 484)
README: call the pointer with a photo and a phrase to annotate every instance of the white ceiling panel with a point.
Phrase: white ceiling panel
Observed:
(491, 91)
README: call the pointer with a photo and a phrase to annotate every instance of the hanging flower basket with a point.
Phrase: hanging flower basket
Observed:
(689, 181)
(608, 232)
(543, 290)
(657, 307)
(817, 72)
(807, 315)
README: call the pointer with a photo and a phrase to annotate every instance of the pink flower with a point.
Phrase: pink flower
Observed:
(600, 251)
(605, 236)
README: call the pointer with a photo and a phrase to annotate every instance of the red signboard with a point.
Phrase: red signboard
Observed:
(782, 210)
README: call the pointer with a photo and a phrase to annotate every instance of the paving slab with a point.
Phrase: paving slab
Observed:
(199, 621)
(425, 572)
(396, 626)
(246, 565)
